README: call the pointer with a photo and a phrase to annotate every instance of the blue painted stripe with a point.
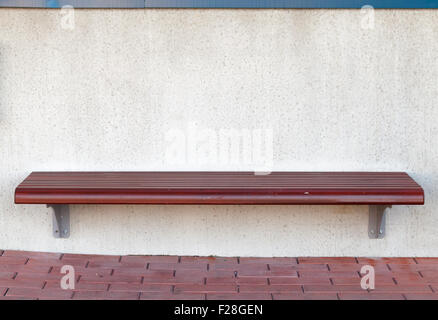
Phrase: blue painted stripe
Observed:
(379, 4)
(96, 3)
(290, 3)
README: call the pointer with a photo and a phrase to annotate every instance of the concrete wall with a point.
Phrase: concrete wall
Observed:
(103, 96)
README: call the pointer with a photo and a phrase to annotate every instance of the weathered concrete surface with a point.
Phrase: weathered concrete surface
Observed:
(103, 96)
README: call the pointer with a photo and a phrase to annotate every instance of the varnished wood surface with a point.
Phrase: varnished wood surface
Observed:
(219, 188)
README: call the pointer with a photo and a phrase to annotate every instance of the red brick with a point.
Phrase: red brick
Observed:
(16, 298)
(6, 275)
(81, 285)
(237, 267)
(105, 295)
(22, 283)
(409, 279)
(299, 267)
(97, 258)
(196, 279)
(327, 274)
(428, 274)
(142, 261)
(162, 259)
(56, 262)
(128, 276)
(187, 276)
(305, 296)
(411, 268)
(3, 290)
(402, 288)
(326, 260)
(53, 298)
(40, 276)
(233, 280)
(210, 273)
(39, 293)
(4, 260)
(111, 278)
(400, 274)
(140, 287)
(287, 268)
(158, 273)
(138, 271)
(222, 280)
(356, 281)
(299, 281)
(421, 296)
(127, 263)
(158, 276)
(204, 288)
(269, 288)
(268, 260)
(239, 296)
(24, 268)
(91, 257)
(370, 296)
(172, 280)
(166, 275)
(196, 273)
(267, 273)
(84, 271)
(177, 266)
(332, 288)
(346, 281)
(170, 296)
(433, 261)
(209, 260)
(425, 280)
(31, 254)
(253, 280)
(108, 264)
(315, 267)
(355, 267)
(434, 287)
(138, 260)
(408, 276)
(383, 261)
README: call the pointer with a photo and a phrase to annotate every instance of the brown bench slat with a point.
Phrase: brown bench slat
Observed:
(388, 188)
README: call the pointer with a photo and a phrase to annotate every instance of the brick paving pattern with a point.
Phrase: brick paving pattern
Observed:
(36, 275)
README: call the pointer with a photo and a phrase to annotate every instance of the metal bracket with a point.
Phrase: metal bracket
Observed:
(376, 223)
(61, 220)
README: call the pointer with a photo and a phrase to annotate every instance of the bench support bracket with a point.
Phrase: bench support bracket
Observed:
(376, 223)
(61, 220)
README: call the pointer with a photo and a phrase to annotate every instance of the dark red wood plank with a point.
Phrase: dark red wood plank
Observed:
(219, 188)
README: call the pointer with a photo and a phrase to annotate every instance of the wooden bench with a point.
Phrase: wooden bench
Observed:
(379, 190)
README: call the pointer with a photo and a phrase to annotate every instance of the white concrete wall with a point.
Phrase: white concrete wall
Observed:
(103, 96)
